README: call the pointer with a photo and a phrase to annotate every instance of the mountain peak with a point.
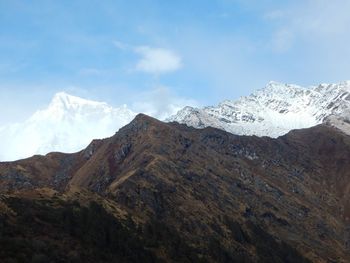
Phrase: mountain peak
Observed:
(64, 97)
(143, 117)
(68, 124)
(143, 120)
(275, 83)
(281, 88)
(273, 110)
(65, 100)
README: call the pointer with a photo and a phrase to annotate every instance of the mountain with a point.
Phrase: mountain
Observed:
(274, 110)
(166, 192)
(68, 124)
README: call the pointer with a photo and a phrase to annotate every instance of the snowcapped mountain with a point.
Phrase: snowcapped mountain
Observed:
(68, 124)
(273, 110)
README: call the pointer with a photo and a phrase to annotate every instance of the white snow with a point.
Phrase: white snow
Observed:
(273, 110)
(68, 125)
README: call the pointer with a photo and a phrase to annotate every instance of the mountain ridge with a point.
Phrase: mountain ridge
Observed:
(273, 110)
(65, 125)
(220, 192)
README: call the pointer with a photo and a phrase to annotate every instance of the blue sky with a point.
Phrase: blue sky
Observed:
(195, 51)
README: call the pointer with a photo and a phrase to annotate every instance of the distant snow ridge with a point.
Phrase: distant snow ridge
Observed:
(67, 125)
(273, 110)
(70, 123)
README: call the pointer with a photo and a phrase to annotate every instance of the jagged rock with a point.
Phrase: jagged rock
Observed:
(289, 204)
(272, 111)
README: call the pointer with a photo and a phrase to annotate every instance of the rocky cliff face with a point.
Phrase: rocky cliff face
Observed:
(189, 195)
(273, 111)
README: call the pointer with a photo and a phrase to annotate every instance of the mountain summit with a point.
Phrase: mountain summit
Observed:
(68, 124)
(67, 101)
(273, 110)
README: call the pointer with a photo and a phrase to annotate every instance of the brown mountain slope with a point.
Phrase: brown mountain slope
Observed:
(225, 198)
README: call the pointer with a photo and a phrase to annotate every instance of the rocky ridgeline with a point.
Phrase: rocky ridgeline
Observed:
(272, 111)
(185, 195)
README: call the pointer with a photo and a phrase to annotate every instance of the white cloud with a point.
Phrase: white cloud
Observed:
(157, 60)
(318, 22)
(161, 103)
(283, 40)
(153, 60)
(324, 18)
(121, 45)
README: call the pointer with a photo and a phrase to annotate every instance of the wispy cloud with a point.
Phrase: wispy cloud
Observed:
(318, 22)
(152, 60)
(157, 60)
(121, 45)
(283, 40)
(161, 103)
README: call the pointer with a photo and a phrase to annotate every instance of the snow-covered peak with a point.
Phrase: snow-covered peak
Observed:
(340, 87)
(279, 90)
(63, 102)
(63, 99)
(273, 110)
(68, 124)
(281, 87)
(66, 107)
